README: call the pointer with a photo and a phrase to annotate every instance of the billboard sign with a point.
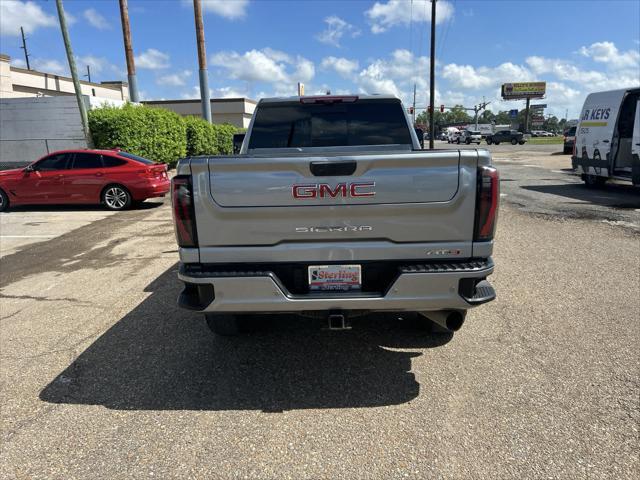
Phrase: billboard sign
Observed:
(516, 91)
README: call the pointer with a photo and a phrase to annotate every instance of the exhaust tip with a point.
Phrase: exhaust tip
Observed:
(454, 321)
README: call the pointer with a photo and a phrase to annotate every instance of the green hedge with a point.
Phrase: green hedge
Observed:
(158, 134)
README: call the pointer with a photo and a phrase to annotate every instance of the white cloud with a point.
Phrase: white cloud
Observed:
(590, 79)
(342, 66)
(383, 16)
(465, 76)
(396, 75)
(152, 59)
(29, 15)
(49, 66)
(305, 70)
(95, 19)
(228, 92)
(230, 9)
(98, 65)
(178, 79)
(607, 52)
(266, 65)
(336, 29)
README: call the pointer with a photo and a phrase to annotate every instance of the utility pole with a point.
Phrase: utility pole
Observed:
(74, 74)
(414, 104)
(128, 50)
(432, 72)
(202, 62)
(24, 47)
(88, 75)
(526, 116)
(478, 108)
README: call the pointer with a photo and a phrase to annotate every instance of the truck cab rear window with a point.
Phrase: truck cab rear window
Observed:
(284, 125)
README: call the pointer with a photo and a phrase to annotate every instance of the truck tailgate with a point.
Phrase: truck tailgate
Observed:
(426, 197)
(413, 177)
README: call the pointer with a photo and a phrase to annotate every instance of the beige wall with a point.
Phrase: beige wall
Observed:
(20, 82)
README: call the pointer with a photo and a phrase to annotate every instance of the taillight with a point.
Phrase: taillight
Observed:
(183, 211)
(487, 199)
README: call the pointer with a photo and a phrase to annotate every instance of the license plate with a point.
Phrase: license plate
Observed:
(335, 277)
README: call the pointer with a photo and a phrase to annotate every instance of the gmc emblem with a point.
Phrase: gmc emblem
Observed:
(324, 190)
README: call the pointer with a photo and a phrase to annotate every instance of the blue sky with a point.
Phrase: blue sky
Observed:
(261, 48)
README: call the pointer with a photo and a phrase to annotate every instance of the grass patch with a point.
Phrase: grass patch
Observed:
(546, 141)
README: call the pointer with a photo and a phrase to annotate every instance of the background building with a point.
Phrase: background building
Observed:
(20, 82)
(236, 111)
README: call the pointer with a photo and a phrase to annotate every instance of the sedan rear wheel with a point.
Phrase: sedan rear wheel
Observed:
(4, 201)
(116, 197)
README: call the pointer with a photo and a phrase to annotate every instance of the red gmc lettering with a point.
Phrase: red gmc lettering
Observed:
(324, 190)
(355, 187)
(340, 190)
(304, 191)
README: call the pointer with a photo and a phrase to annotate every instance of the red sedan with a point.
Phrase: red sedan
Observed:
(113, 178)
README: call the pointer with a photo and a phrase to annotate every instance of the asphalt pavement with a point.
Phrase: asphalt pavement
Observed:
(103, 376)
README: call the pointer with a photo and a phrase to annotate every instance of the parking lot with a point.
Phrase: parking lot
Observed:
(104, 376)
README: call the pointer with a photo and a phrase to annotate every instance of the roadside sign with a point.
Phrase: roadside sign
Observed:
(513, 113)
(515, 91)
(539, 105)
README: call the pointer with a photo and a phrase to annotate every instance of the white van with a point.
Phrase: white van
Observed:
(607, 142)
(453, 134)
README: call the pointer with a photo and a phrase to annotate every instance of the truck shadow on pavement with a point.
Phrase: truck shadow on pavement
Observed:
(614, 196)
(161, 357)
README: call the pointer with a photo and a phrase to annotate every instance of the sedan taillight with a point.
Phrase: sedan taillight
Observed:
(487, 200)
(183, 211)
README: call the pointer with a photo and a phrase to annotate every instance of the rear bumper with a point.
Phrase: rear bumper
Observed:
(417, 287)
(153, 189)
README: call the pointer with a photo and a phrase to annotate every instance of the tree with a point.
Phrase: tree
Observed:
(502, 118)
(457, 114)
(486, 117)
(551, 124)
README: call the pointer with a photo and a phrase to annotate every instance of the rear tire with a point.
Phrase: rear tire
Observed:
(496, 143)
(521, 142)
(4, 201)
(489, 141)
(468, 141)
(225, 325)
(594, 181)
(116, 197)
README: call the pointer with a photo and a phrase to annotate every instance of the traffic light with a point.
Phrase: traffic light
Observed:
(441, 108)
(429, 109)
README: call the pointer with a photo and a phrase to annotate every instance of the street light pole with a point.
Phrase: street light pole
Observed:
(432, 72)
(74, 74)
(128, 51)
(202, 62)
